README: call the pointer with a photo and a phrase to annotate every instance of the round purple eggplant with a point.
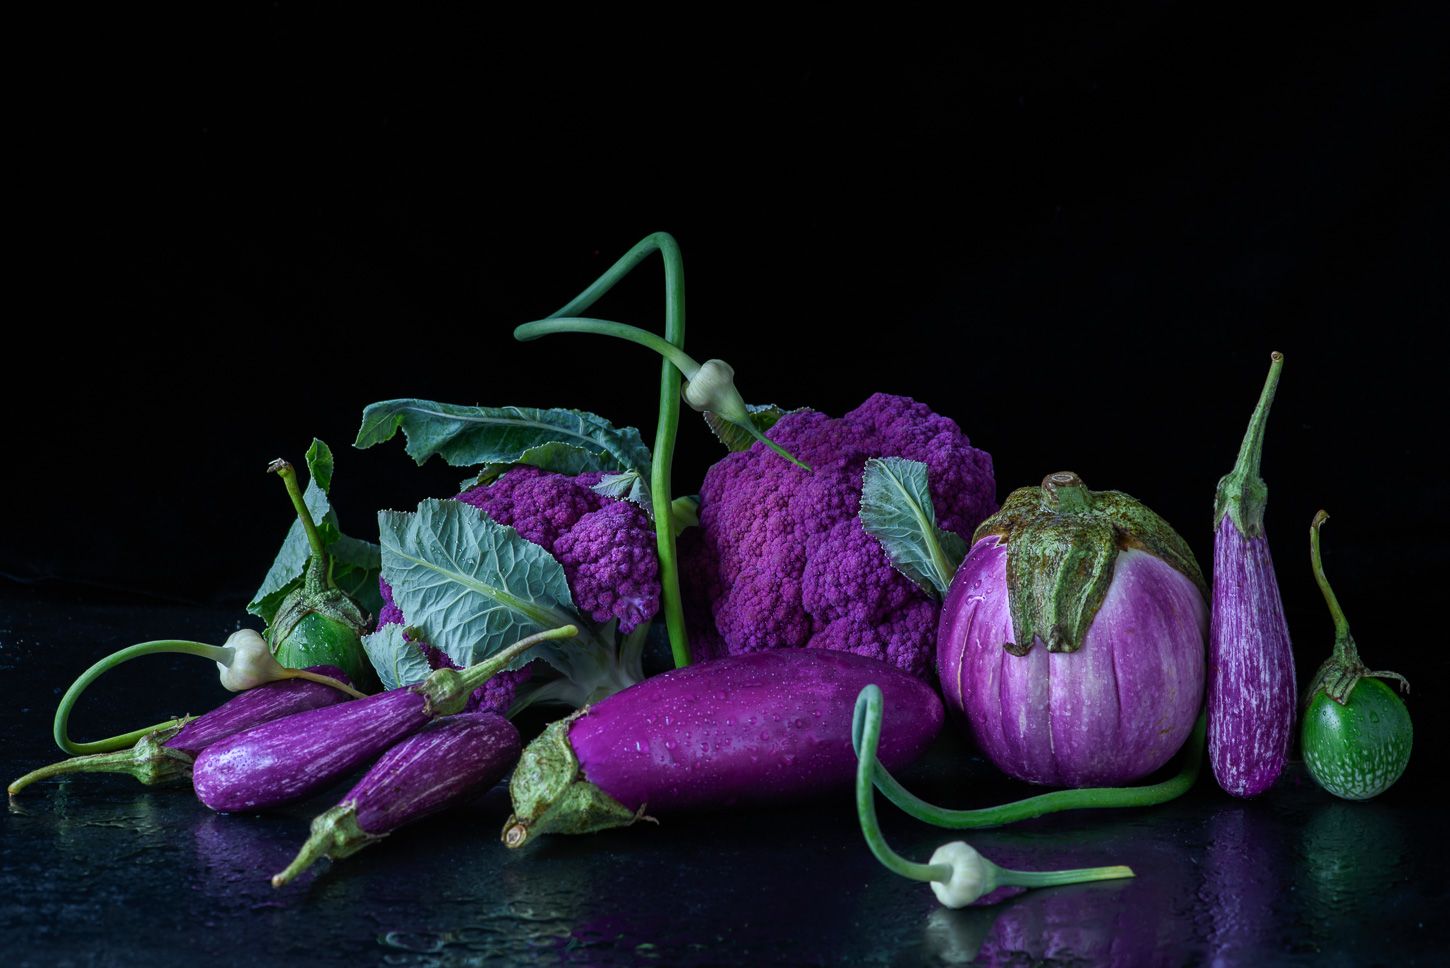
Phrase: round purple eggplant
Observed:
(448, 763)
(756, 728)
(1072, 640)
(166, 756)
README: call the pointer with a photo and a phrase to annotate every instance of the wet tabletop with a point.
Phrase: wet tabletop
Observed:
(101, 870)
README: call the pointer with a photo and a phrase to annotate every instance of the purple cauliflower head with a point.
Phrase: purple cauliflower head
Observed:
(780, 558)
(605, 545)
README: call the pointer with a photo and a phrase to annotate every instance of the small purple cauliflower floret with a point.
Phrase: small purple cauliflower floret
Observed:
(496, 695)
(780, 558)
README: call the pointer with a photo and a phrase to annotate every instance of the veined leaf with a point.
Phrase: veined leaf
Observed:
(319, 465)
(628, 486)
(565, 441)
(896, 509)
(556, 456)
(355, 563)
(469, 585)
(764, 416)
(397, 661)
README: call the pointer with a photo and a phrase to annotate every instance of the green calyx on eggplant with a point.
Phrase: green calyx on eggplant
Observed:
(317, 623)
(1062, 543)
(1356, 735)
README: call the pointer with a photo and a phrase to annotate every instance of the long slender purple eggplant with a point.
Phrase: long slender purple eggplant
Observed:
(1250, 662)
(290, 759)
(448, 763)
(166, 755)
(763, 727)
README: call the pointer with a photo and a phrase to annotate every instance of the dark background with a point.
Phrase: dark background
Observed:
(1080, 237)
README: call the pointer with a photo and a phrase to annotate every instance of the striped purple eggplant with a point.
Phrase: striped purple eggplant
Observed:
(448, 763)
(1072, 638)
(290, 759)
(166, 756)
(1250, 662)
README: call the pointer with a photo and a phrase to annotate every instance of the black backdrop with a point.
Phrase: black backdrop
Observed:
(1078, 237)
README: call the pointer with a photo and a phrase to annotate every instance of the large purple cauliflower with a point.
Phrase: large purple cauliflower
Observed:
(780, 558)
(605, 545)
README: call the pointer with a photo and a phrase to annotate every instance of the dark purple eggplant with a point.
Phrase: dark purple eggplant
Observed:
(290, 759)
(448, 763)
(166, 755)
(758, 728)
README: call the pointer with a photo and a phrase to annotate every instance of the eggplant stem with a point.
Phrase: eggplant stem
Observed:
(289, 479)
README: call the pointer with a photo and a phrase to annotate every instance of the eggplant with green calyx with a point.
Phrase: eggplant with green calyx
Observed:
(317, 622)
(164, 755)
(1250, 661)
(1073, 636)
(291, 759)
(1356, 735)
(448, 763)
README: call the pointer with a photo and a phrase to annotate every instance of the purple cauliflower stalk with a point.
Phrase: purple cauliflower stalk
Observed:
(605, 545)
(780, 558)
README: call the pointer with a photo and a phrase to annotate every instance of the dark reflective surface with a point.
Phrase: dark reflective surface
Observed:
(100, 870)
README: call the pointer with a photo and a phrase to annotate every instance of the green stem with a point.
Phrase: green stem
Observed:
(866, 801)
(318, 677)
(1242, 493)
(1052, 878)
(606, 327)
(480, 672)
(1251, 451)
(289, 478)
(1344, 647)
(868, 710)
(669, 417)
(1342, 671)
(68, 701)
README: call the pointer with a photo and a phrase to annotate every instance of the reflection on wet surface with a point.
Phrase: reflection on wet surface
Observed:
(100, 869)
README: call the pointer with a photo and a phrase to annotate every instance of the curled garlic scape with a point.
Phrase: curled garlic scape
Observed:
(957, 873)
(245, 662)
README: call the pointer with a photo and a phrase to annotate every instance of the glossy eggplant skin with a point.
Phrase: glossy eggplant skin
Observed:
(265, 703)
(760, 727)
(1250, 666)
(1113, 711)
(449, 762)
(290, 759)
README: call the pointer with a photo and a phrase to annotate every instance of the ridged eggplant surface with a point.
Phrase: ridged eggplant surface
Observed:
(750, 728)
(289, 759)
(1250, 666)
(448, 762)
(1115, 710)
(274, 700)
